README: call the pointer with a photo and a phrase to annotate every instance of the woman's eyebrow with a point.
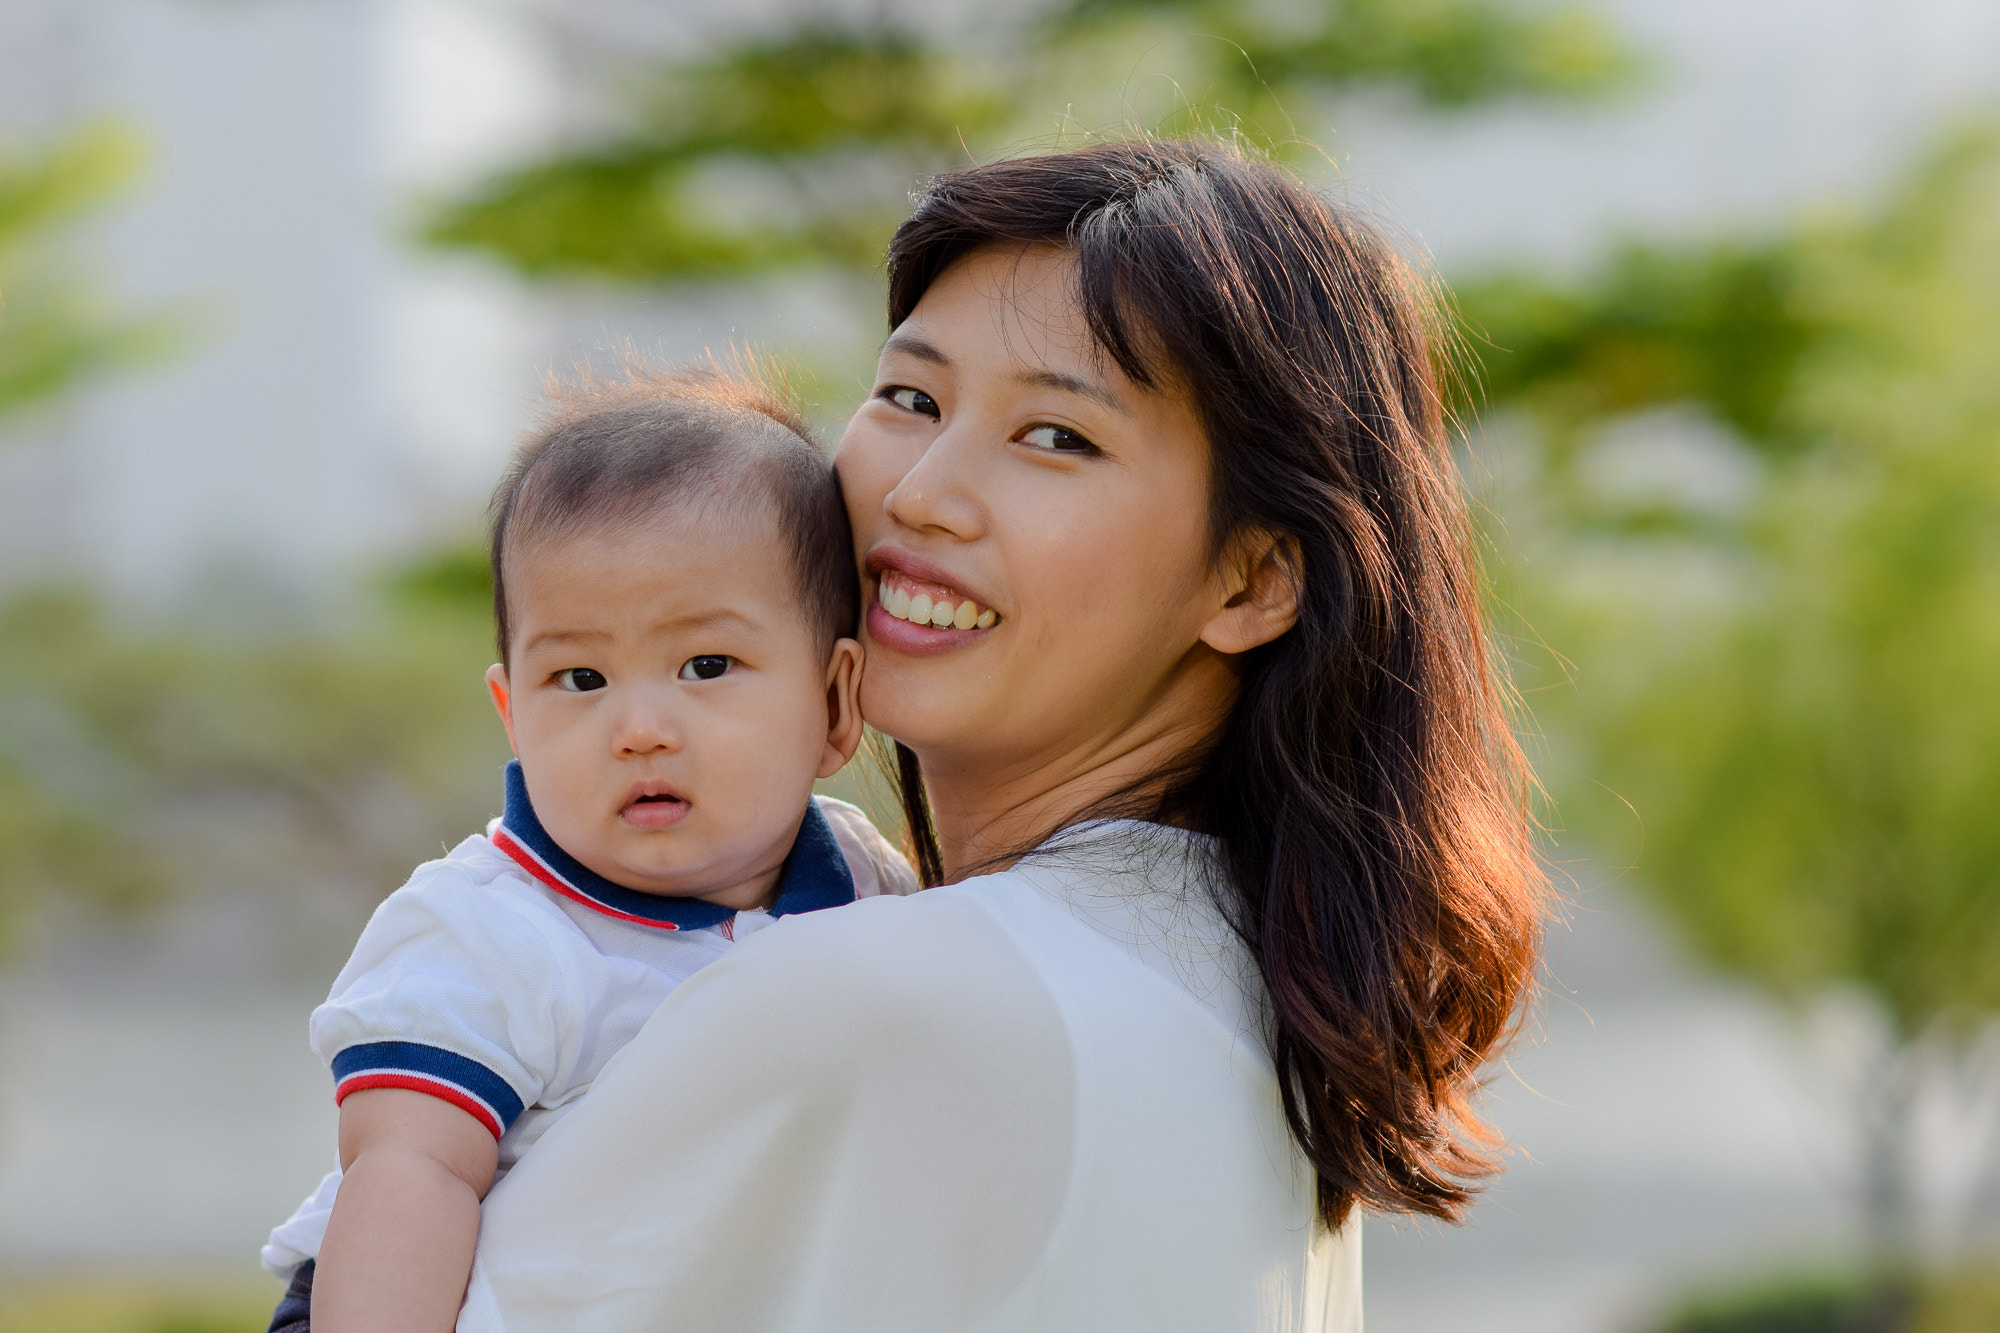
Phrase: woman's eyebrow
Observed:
(1076, 384)
(916, 345)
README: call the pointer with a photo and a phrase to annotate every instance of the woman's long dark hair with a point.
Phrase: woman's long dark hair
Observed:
(1366, 789)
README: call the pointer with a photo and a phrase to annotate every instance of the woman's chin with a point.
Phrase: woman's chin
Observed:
(923, 706)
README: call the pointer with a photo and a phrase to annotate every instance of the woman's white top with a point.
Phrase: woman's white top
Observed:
(1037, 1100)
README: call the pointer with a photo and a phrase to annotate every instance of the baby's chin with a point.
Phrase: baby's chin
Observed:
(683, 856)
(661, 876)
(682, 871)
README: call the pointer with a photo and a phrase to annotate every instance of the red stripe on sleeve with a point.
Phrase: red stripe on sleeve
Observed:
(445, 1092)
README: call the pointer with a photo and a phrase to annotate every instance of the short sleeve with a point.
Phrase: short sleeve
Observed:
(878, 868)
(455, 990)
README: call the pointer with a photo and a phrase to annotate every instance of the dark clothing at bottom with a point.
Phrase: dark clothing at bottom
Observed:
(294, 1312)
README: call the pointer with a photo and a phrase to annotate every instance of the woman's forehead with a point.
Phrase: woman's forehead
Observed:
(1026, 292)
(1018, 309)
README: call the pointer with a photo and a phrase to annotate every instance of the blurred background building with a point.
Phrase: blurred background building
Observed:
(297, 267)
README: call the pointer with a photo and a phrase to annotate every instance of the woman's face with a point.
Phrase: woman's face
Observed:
(1045, 518)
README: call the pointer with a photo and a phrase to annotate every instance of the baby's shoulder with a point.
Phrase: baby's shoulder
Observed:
(476, 894)
(878, 868)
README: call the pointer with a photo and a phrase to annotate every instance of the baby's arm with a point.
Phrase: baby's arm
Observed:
(399, 1246)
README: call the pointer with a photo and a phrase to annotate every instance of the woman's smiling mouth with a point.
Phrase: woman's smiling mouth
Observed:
(917, 612)
(929, 604)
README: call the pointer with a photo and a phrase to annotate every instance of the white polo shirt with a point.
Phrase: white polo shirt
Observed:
(502, 977)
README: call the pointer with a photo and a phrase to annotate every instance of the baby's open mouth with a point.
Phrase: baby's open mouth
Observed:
(654, 809)
(930, 604)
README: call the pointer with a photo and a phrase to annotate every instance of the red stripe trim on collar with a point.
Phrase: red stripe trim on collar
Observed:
(534, 865)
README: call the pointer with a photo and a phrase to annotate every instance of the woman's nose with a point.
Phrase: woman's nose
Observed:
(939, 493)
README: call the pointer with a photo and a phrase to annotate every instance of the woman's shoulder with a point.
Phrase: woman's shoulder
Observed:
(943, 951)
(1056, 936)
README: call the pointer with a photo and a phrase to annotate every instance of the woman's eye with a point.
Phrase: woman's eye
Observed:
(581, 680)
(703, 668)
(1057, 440)
(914, 400)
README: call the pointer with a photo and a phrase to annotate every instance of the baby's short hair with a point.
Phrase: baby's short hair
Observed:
(613, 449)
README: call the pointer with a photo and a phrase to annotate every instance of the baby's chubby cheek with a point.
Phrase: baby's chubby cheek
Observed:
(572, 797)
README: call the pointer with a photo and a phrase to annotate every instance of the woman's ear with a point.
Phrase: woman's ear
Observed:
(503, 701)
(843, 707)
(1262, 578)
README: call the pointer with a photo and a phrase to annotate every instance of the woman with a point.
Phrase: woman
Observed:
(1239, 893)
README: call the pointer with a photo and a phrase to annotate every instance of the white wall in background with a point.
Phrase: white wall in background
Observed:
(332, 384)
(1749, 112)
(262, 441)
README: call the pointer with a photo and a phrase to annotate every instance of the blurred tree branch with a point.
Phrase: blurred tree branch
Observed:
(800, 148)
(1796, 695)
(54, 329)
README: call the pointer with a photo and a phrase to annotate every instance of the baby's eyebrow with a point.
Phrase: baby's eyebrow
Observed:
(717, 617)
(559, 636)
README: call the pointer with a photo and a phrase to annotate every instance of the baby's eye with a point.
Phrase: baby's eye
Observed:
(1056, 440)
(581, 680)
(913, 400)
(704, 668)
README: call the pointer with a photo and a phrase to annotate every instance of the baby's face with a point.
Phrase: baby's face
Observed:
(669, 703)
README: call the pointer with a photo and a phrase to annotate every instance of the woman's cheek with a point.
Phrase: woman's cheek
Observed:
(863, 499)
(869, 463)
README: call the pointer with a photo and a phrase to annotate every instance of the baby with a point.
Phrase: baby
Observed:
(674, 588)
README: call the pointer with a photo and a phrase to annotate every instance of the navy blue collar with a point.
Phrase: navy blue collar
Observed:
(815, 874)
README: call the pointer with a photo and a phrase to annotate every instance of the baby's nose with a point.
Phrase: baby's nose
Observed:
(649, 732)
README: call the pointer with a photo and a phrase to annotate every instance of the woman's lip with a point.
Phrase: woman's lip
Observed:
(887, 558)
(916, 641)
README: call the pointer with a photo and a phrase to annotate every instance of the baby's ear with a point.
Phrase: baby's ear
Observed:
(843, 707)
(503, 701)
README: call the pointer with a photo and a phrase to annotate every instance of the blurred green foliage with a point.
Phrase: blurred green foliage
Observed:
(135, 760)
(800, 148)
(54, 329)
(1726, 327)
(137, 1303)
(457, 580)
(139, 757)
(1758, 513)
(1796, 695)
(1452, 53)
(1965, 1302)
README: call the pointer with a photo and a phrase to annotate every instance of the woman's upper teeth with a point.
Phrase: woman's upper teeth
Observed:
(941, 609)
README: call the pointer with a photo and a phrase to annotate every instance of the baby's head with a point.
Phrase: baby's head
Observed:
(674, 592)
